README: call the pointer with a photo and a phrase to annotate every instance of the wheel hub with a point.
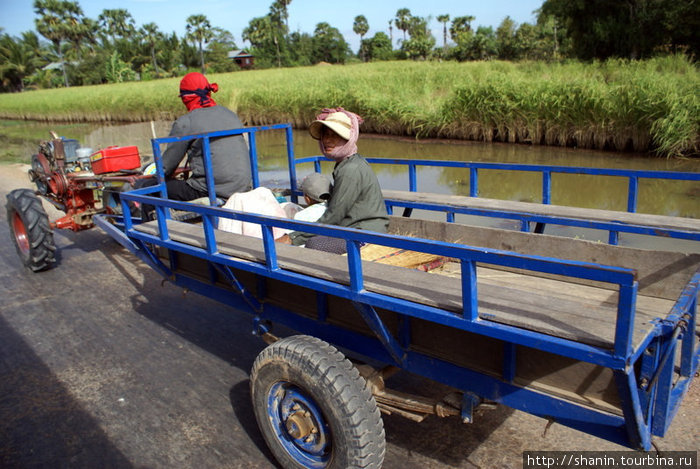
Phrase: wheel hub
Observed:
(299, 425)
(20, 233)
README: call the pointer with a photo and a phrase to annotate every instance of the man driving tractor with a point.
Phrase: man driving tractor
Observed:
(229, 155)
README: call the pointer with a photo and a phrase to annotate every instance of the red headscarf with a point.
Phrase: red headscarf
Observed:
(195, 91)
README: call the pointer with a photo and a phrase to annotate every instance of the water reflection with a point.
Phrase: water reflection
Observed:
(675, 198)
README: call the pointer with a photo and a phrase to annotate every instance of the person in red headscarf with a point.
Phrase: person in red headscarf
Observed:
(356, 199)
(229, 155)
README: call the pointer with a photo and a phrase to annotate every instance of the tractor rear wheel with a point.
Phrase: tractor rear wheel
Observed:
(30, 229)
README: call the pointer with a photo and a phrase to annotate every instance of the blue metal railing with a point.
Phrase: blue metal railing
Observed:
(468, 256)
(526, 218)
(546, 171)
(206, 138)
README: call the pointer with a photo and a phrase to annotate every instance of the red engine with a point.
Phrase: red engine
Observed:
(82, 183)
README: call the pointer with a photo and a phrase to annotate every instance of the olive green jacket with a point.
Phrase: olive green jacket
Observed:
(356, 200)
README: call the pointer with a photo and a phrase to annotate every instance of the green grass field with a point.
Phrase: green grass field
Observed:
(651, 105)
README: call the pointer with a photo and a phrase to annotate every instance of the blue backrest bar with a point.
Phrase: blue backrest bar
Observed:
(546, 170)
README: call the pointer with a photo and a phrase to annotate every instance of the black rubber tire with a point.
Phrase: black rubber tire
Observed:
(30, 229)
(41, 174)
(336, 387)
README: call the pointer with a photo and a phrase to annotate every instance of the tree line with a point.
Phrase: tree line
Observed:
(69, 49)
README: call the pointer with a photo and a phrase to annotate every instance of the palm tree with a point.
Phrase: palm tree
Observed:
(56, 22)
(84, 32)
(199, 30)
(360, 26)
(444, 19)
(278, 24)
(17, 61)
(257, 32)
(460, 26)
(152, 35)
(282, 5)
(403, 20)
(117, 22)
(39, 49)
(391, 34)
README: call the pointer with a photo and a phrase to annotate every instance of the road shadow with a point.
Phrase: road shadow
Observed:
(241, 405)
(210, 325)
(41, 424)
(447, 439)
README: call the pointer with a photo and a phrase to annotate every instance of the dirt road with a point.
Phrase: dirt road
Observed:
(102, 365)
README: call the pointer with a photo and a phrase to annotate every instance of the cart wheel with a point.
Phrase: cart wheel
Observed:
(313, 407)
(31, 230)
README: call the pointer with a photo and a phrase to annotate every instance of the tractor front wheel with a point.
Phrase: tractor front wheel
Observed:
(31, 230)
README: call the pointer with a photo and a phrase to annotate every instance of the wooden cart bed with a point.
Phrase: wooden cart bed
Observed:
(568, 308)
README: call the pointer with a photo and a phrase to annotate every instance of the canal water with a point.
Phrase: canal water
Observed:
(674, 198)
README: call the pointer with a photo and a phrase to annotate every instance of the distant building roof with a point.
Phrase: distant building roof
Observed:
(57, 65)
(237, 54)
(52, 66)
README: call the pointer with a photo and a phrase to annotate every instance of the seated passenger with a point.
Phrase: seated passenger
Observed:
(317, 191)
(356, 198)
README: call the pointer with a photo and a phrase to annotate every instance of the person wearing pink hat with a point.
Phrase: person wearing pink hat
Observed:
(356, 199)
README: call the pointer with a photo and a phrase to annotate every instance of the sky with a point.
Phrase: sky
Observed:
(17, 16)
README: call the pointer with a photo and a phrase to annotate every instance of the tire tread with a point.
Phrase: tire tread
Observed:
(360, 416)
(42, 249)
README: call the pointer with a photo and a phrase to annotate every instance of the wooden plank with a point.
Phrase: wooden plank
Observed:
(565, 377)
(661, 274)
(390, 280)
(510, 206)
(577, 312)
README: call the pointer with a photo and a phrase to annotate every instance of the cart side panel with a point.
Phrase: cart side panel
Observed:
(570, 379)
(567, 378)
(661, 274)
(474, 351)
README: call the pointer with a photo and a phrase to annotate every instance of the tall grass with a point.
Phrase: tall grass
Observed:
(652, 105)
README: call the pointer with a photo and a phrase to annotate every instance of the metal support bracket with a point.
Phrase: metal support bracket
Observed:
(248, 297)
(667, 353)
(375, 323)
(262, 328)
(144, 252)
(469, 402)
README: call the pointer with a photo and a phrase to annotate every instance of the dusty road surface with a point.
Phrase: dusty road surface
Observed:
(101, 365)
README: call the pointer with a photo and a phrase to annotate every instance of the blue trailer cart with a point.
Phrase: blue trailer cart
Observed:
(596, 336)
